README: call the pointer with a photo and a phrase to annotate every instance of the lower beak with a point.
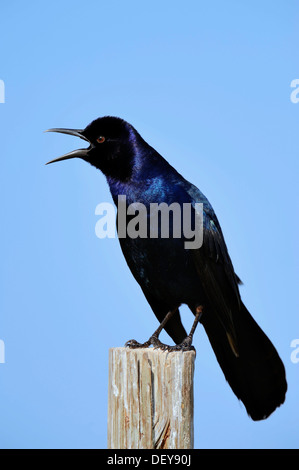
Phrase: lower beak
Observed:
(80, 153)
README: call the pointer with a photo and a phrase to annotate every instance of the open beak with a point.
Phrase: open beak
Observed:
(80, 153)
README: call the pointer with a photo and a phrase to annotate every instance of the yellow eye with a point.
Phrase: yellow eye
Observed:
(101, 139)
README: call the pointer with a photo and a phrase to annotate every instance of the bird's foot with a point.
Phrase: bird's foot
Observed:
(133, 344)
(153, 341)
(157, 344)
(185, 345)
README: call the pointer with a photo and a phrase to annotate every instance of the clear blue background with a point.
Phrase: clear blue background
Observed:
(208, 85)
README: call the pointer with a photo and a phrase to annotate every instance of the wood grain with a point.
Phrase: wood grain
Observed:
(150, 399)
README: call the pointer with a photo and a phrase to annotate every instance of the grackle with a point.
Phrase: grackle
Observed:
(170, 274)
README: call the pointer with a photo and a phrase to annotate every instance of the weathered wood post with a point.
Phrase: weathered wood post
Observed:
(150, 399)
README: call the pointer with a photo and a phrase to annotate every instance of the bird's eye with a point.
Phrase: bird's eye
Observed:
(101, 139)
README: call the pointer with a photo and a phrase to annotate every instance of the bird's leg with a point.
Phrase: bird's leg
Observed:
(154, 339)
(186, 344)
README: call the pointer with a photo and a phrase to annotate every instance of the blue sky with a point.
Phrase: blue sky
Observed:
(208, 85)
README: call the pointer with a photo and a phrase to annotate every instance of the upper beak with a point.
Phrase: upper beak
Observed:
(80, 153)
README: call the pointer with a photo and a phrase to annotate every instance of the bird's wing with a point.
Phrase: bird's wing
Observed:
(215, 269)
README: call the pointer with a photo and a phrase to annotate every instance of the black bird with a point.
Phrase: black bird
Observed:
(170, 274)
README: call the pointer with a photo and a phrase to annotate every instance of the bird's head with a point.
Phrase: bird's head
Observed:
(111, 146)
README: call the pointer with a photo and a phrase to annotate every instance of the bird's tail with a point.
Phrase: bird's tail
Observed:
(256, 374)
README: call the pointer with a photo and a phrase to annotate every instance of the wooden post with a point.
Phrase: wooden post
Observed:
(150, 399)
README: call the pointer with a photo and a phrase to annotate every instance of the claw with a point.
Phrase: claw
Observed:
(157, 344)
(133, 344)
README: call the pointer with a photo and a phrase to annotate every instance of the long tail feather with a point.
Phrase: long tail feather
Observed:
(257, 374)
